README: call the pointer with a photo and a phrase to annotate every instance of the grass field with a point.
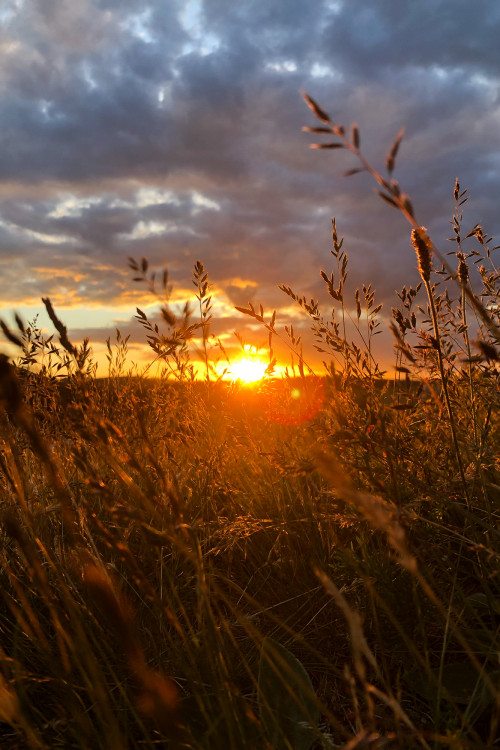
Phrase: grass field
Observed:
(304, 563)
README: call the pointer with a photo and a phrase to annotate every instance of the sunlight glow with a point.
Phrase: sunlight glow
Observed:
(248, 369)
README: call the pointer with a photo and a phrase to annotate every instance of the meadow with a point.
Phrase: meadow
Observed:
(309, 562)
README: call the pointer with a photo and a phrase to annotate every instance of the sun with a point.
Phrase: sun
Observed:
(248, 369)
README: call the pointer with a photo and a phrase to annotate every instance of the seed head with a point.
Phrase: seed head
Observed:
(422, 245)
(463, 271)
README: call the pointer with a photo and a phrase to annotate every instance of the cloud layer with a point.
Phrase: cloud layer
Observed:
(173, 130)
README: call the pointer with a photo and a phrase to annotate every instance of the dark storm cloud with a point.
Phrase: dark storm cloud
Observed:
(197, 102)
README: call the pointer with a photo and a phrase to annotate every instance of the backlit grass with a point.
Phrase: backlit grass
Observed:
(307, 563)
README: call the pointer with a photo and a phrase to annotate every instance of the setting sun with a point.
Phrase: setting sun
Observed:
(248, 369)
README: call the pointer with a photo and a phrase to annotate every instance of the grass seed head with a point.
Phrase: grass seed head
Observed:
(463, 271)
(423, 248)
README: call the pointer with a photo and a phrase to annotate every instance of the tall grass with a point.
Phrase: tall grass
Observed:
(309, 564)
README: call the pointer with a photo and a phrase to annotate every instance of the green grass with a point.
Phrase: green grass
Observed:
(202, 565)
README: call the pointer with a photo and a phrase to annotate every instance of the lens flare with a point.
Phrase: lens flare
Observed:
(295, 402)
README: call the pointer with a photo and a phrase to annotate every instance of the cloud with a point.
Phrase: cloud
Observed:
(172, 130)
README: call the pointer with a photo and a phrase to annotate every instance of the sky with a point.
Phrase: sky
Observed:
(171, 129)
